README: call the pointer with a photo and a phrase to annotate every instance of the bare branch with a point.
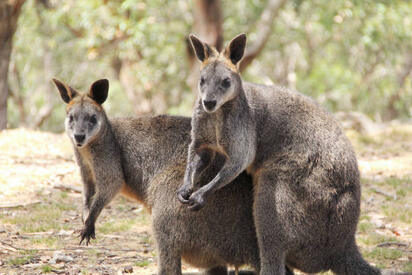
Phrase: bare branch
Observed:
(76, 32)
(264, 28)
(67, 187)
(44, 113)
(45, 3)
(406, 71)
(16, 205)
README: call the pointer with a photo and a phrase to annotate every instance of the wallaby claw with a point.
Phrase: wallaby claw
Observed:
(181, 199)
(197, 201)
(86, 234)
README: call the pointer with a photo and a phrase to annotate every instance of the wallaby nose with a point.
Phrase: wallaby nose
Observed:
(79, 138)
(209, 105)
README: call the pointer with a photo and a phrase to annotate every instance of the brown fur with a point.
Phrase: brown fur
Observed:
(306, 178)
(223, 59)
(82, 99)
(144, 158)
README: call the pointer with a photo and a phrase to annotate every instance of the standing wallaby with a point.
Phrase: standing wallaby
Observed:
(145, 158)
(305, 174)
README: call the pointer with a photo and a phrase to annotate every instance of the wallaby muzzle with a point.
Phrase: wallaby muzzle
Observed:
(209, 105)
(79, 139)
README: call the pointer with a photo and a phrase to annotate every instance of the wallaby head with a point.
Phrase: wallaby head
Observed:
(85, 116)
(219, 76)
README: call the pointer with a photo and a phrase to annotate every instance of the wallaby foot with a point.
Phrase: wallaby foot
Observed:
(289, 271)
(352, 263)
(218, 270)
(87, 233)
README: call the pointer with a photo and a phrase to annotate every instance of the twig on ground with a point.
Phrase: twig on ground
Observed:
(114, 236)
(15, 205)
(67, 187)
(39, 233)
(384, 193)
(392, 244)
(13, 248)
(8, 246)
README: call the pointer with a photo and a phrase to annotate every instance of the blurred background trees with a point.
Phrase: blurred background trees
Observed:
(350, 55)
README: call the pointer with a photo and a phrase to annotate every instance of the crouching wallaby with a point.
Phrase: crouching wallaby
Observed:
(306, 180)
(145, 158)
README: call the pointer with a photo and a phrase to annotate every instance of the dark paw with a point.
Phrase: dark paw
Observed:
(183, 194)
(87, 233)
(196, 201)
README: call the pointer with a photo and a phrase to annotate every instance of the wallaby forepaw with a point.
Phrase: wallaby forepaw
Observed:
(86, 234)
(197, 201)
(183, 194)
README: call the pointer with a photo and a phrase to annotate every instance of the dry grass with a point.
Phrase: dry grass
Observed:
(32, 162)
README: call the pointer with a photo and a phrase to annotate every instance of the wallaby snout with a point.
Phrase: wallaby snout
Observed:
(216, 91)
(79, 139)
(209, 105)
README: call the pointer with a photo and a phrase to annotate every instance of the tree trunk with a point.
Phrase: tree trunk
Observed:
(9, 13)
(207, 15)
(208, 22)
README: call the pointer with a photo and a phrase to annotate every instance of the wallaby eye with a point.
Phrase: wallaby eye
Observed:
(202, 81)
(93, 119)
(71, 118)
(226, 82)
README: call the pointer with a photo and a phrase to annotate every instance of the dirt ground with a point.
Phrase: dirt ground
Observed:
(40, 216)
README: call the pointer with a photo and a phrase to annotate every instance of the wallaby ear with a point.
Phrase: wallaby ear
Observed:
(99, 91)
(203, 50)
(67, 93)
(236, 48)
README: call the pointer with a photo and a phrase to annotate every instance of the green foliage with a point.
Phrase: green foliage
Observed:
(349, 55)
(46, 268)
(43, 217)
(142, 263)
(407, 267)
(112, 226)
(386, 253)
(17, 261)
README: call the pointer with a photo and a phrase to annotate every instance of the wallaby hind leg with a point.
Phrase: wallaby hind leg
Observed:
(268, 228)
(218, 270)
(168, 251)
(350, 262)
(169, 260)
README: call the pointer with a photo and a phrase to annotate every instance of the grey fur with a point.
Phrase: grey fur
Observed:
(306, 178)
(145, 158)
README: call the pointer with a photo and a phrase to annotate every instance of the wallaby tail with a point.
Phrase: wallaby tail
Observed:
(352, 263)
